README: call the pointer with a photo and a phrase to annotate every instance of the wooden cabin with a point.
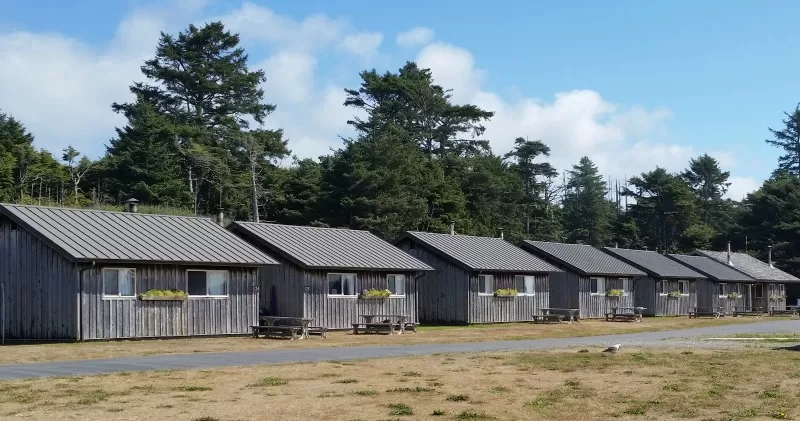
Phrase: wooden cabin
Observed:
(324, 273)
(768, 290)
(721, 285)
(669, 289)
(474, 277)
(79, 274)
(591, 279)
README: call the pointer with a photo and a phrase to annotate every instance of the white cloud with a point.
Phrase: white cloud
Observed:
(364, 44)
(741, 186)
(419, 35)
(290, 77)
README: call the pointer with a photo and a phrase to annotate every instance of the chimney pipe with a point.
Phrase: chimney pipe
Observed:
(769, 256)
(645, 248)
(616, 245)
(730, 262)
(501, 232)
(221, 217)
(452, 228)
(132, 205)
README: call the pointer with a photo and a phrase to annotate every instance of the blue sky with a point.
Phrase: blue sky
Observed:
(632, 84)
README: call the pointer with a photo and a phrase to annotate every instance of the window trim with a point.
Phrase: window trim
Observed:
(404, 285)
(662, 285)
(724, 286)
(525, 294)
(355, 285)
(601, 285)
(626, 285)
(688, 284)
(756, 288)
(220, 297)
(117, 297)
(491, 285)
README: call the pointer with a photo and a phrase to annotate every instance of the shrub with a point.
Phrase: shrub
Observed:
(734, 295)
(458, 398)
(400, 409)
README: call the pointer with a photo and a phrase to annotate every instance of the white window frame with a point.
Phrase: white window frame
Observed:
(756, 288)
(688, 284)
(525, 279)
(601, 285)
(724, 287)
(117, 297)
(491, 285)
(627, 283)
(342, 294)
(781, 289)
(402, 282)
(227, 283)
(662, 285)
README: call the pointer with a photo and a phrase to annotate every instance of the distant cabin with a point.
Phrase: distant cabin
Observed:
(472, 274)
(78, 274)
(769, 282)
(722, 285)
(591, 279)
(324, 272)
(669, 289)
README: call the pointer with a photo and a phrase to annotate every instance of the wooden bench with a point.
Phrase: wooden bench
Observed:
(292, 332)
(318, 330)
(756, 313)
(698, 312)
(548, 318)
(787, 312)
(411, 326)
(374, 328)
(623, 317)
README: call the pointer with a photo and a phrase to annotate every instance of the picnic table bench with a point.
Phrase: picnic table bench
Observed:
(789, 310)
(747, 311)
(697, 312)
(548, 318)
(389, 323)
(277, 324)
(294, 332)
(625, 314)
(571, 314)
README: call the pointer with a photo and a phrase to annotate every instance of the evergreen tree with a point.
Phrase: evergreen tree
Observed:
(542, 216)
(788, 139)
(587, 213)
(16, 158)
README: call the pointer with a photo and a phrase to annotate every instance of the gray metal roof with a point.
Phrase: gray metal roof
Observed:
(654, 263)
(104, 236)
(329, 248)
(750, 265)
(582, 258)
(711, 268)
(481, 253)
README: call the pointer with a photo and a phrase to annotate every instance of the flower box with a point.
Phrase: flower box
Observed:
(734, 296)
(674, 294)
(162, 298)
(374, 294)
(614, 293)
(506, 292)
(164, 295)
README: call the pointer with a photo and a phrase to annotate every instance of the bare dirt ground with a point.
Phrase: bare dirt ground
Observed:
(575, 384)
(32, 353)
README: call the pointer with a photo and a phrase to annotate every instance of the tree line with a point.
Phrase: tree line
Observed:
(197, 140)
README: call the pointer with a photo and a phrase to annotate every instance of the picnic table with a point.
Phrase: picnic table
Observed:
(715, 312)
(391, 323)
(747, 311)
(790, 310)
(281, 325)
(626, 314)
(552, 314)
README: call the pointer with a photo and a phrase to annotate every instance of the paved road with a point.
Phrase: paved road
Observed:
(228, 359)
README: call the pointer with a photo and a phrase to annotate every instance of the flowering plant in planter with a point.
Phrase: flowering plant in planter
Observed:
(734, 295)
(615, 293)
(674, 294)
(163, 295)
(777, 297)
(375, 294)
(505, 292)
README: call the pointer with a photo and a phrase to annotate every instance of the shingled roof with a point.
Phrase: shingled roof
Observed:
(85, 235)
(481, 253)
(655, 264)
(711, 268)
(329, 248)
(582, 258)
(748, 264)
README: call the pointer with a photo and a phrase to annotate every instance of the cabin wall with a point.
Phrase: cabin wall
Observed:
(675, 306)
(336, 312)
(491, 309)
(112, 318)
(595, 306)
(443, 292)
(644, 294)
(40, 287)
(769, 289)
(564, 290)
(281, 289)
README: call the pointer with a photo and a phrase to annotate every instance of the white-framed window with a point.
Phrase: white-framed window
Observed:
(207, 283)
(683, 287)
(525, 284)
(780, 289)
(342, 284)
(119, 283)
(396, 284)
(723, 289)
(627, 285)
(485, 284)
(663, 287)
(758, 291)
(597, 286)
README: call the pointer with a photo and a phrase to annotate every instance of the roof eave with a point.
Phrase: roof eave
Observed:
(174, 262)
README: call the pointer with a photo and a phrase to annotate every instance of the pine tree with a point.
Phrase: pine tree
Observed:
(587, 212)
(788, 139)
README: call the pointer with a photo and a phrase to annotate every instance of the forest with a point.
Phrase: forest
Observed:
(197, 140)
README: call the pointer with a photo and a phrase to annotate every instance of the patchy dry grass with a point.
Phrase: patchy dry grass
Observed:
(16, 354)
(636, 384)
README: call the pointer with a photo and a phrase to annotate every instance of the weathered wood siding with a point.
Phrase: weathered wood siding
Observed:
(340, 312)
(675, 306)
(644, 294)
(571, 290)
(281, 289)
(41, 299)
(764, 302)
(564, 290)
(491, 309)
(133, 318)
(442, 294)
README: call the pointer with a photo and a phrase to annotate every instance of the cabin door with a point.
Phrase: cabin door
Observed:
(748, 296)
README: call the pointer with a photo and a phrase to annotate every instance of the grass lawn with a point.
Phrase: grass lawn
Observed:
(635, 384)
(15, 354)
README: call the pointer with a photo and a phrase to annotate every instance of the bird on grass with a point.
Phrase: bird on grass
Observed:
(612, 349)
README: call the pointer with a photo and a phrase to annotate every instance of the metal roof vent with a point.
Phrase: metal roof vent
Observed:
(131, 205)
(730, 262)
(769, 256)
